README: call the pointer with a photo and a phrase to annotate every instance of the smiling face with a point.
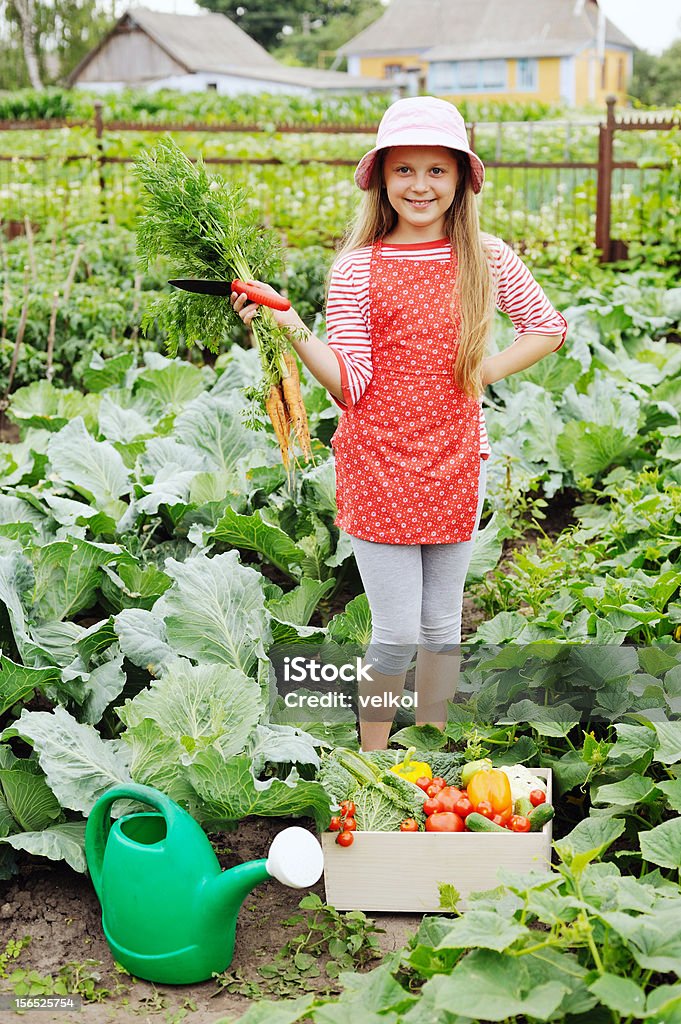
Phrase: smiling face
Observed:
(420, 182)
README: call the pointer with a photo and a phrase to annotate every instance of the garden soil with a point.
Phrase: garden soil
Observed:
(58, 908)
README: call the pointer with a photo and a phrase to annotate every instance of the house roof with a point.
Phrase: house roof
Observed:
(458, 30)
(202, 42)
(212, 43)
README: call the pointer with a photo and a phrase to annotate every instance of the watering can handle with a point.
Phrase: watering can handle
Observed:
(99, 821)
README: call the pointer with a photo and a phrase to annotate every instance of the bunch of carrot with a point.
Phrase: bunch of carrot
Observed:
(285, 408)
(201, 225)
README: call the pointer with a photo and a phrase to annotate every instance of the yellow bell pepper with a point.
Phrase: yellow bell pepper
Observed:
(412, 770)
(491, 785)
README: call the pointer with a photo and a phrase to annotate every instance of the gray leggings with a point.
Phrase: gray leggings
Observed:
(415, 593)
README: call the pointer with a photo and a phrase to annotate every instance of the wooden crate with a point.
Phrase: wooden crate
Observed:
(400, 871)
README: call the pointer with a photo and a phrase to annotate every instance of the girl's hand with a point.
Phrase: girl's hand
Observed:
(247, 309)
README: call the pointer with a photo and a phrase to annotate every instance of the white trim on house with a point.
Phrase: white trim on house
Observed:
(201, 81)
(225, 85)
(568, 80)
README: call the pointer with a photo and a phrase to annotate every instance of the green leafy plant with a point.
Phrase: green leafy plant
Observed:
(349, 938)
(337, 940)
(12, 951)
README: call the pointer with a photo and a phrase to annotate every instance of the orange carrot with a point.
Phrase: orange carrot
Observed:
(281, 421)
(296, 407)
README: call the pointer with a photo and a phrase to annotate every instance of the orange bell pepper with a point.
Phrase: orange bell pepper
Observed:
(491, 785)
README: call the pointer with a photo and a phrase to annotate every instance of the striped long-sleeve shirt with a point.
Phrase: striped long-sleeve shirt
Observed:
(347, 312)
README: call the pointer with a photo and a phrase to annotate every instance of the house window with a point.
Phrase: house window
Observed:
(442, 76)
(212, 85)
(391, 70)
(620, 74)
(493, 74)
(526, 76)
(468, 76)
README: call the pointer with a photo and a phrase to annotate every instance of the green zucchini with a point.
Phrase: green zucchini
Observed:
(539, 817)
(478, 823)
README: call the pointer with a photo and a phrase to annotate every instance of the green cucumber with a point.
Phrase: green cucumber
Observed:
(524, 806)
(539, 817)
(478, 823)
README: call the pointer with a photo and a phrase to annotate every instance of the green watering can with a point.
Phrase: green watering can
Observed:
(168, 910)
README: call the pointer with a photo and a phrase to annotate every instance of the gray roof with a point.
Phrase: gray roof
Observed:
(459, 30)
(212, 43)
(202, 42)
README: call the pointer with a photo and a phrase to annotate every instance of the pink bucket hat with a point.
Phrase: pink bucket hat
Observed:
(421, 121)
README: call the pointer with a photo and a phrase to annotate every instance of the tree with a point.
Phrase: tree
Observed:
(69, 29)
(305, 47)
(52, 35)
(657, 80)
(264, 20)
(25, 10)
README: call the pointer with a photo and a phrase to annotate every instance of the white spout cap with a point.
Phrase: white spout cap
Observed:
(295, 858)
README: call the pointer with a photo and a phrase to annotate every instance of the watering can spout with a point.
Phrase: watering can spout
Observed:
(294, 859)
(226, 892)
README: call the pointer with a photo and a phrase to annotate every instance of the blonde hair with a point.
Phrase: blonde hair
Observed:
(473, 296)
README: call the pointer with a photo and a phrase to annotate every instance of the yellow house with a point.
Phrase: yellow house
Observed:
(549, 50)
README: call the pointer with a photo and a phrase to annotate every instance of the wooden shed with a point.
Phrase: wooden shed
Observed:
(149, 49)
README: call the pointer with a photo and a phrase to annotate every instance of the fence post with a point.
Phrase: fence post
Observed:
(99, 132)
(606, 134)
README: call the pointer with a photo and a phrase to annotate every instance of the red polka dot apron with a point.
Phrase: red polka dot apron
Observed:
(408, 453)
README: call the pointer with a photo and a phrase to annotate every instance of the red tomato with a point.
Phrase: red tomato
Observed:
(452, 791)
(448, 798)
(505, 815)
(444, 822)
(537, 796)
(445, 801)
(350, 825)
(433, 791)
(463, 807)
(438, 781)
(498, 819)
(519, 823)
(409, 825)
(347, 807)
(335, 824)
(485, 808)
(423, 782)
(431, 806)
(345, 839)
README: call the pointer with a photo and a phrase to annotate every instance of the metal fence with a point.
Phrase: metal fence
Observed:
(545, 180)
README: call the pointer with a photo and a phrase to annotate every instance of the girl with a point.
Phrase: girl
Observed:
(410, 305)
